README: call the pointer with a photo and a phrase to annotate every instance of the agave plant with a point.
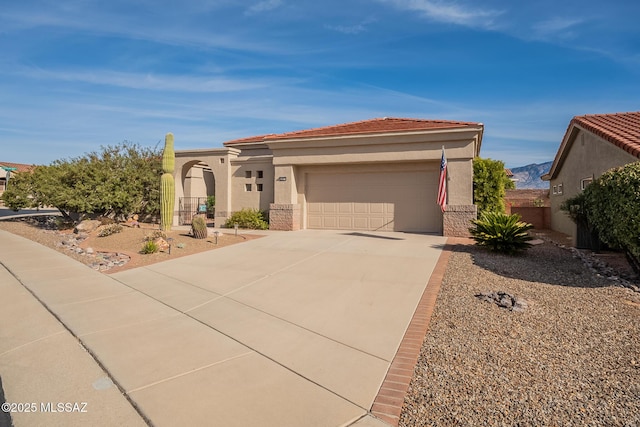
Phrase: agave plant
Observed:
(501, 232)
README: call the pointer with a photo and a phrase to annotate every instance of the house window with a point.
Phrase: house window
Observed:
(247, 187)
(559, 188)
(260, 174)
(584, 183)
(555, 189)
(222, 160)
(247, 174)
(259, 187)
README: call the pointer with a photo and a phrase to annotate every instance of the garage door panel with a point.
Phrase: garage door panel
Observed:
(377, 208)
(360, 208)
(379, 224)
(345, 223)
(345, 208)
(390, 201)
(361, 223)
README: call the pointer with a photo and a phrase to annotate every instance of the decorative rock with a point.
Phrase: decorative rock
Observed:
(87, 226)
(89, 251)
(163, 245)
(504, 300)
(107, 260)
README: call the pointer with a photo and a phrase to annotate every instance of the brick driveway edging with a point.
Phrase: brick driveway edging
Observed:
(387, 405)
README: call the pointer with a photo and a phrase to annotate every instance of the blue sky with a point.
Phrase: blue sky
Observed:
(77, 74)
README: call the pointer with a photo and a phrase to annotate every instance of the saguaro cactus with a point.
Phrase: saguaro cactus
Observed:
(167, 184)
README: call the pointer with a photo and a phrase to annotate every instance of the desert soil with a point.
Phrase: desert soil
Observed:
(129, 241)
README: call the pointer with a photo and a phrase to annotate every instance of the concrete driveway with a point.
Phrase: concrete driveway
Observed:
(296, 328)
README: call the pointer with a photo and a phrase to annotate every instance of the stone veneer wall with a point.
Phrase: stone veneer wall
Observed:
(456, 220)
(284, 217)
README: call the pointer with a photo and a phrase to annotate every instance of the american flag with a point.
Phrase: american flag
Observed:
(442, 185)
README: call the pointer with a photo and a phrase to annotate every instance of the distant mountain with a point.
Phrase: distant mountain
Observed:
(529, 176)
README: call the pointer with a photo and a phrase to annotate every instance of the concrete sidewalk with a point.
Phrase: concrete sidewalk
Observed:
(290, 329)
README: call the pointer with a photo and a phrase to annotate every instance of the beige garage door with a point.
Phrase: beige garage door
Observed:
(384, 201)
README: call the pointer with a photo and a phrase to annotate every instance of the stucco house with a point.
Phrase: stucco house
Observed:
(379, 174)
(592, 145)
(8, 169)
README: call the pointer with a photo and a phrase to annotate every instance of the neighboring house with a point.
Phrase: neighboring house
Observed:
(510, 175)
(379, 174)
(7, 170)
(592, 145)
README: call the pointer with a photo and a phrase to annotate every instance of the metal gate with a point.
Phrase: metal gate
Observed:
(188, 207)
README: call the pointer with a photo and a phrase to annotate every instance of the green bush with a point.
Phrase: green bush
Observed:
(110, 229)
(501, 232)
(489, 183)
(253, 219)
(149, 247)
(610, 206)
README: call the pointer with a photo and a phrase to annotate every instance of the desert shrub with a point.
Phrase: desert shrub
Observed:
(199, 227)
(501, 232)
(149, 247)
(610, 206)
(105, 220)
(113, 182)
(156, 234)
(110, 229)
(253, 219)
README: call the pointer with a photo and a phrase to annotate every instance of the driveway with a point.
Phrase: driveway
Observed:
(296, 328)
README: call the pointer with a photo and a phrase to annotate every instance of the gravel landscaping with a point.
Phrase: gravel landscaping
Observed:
(570, 358)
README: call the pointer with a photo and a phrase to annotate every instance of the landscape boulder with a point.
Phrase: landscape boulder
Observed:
(87, 226)
(163, 245)
(504, 300)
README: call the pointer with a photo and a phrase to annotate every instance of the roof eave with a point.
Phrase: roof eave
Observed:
(567, 141)
(315, 138)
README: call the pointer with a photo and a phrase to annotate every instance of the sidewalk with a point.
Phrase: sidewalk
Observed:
(43, 367)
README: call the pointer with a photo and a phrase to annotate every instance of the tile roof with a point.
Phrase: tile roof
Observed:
(20, 167)
(620, 129)
(380, 125)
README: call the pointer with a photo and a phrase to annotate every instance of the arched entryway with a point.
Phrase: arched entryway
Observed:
(199, 175)
(199, 190)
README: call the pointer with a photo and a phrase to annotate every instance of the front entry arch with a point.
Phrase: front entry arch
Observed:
(198, 175)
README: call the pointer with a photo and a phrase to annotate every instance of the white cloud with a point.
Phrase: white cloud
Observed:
(263, 6)
(556, 26)
(351, 29)
(449, 12)
(156, 82)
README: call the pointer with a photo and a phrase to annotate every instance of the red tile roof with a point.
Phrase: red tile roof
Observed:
(380, 125)
(19, 167)
(620, 129)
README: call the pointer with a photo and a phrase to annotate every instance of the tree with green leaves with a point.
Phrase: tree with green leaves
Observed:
(610, 207)
(116, 182)
(489, 184)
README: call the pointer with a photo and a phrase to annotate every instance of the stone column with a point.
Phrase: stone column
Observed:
(456, 220)
(285, 217)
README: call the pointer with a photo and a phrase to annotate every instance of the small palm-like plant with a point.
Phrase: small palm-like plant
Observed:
(501, 232)
(149, 247)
